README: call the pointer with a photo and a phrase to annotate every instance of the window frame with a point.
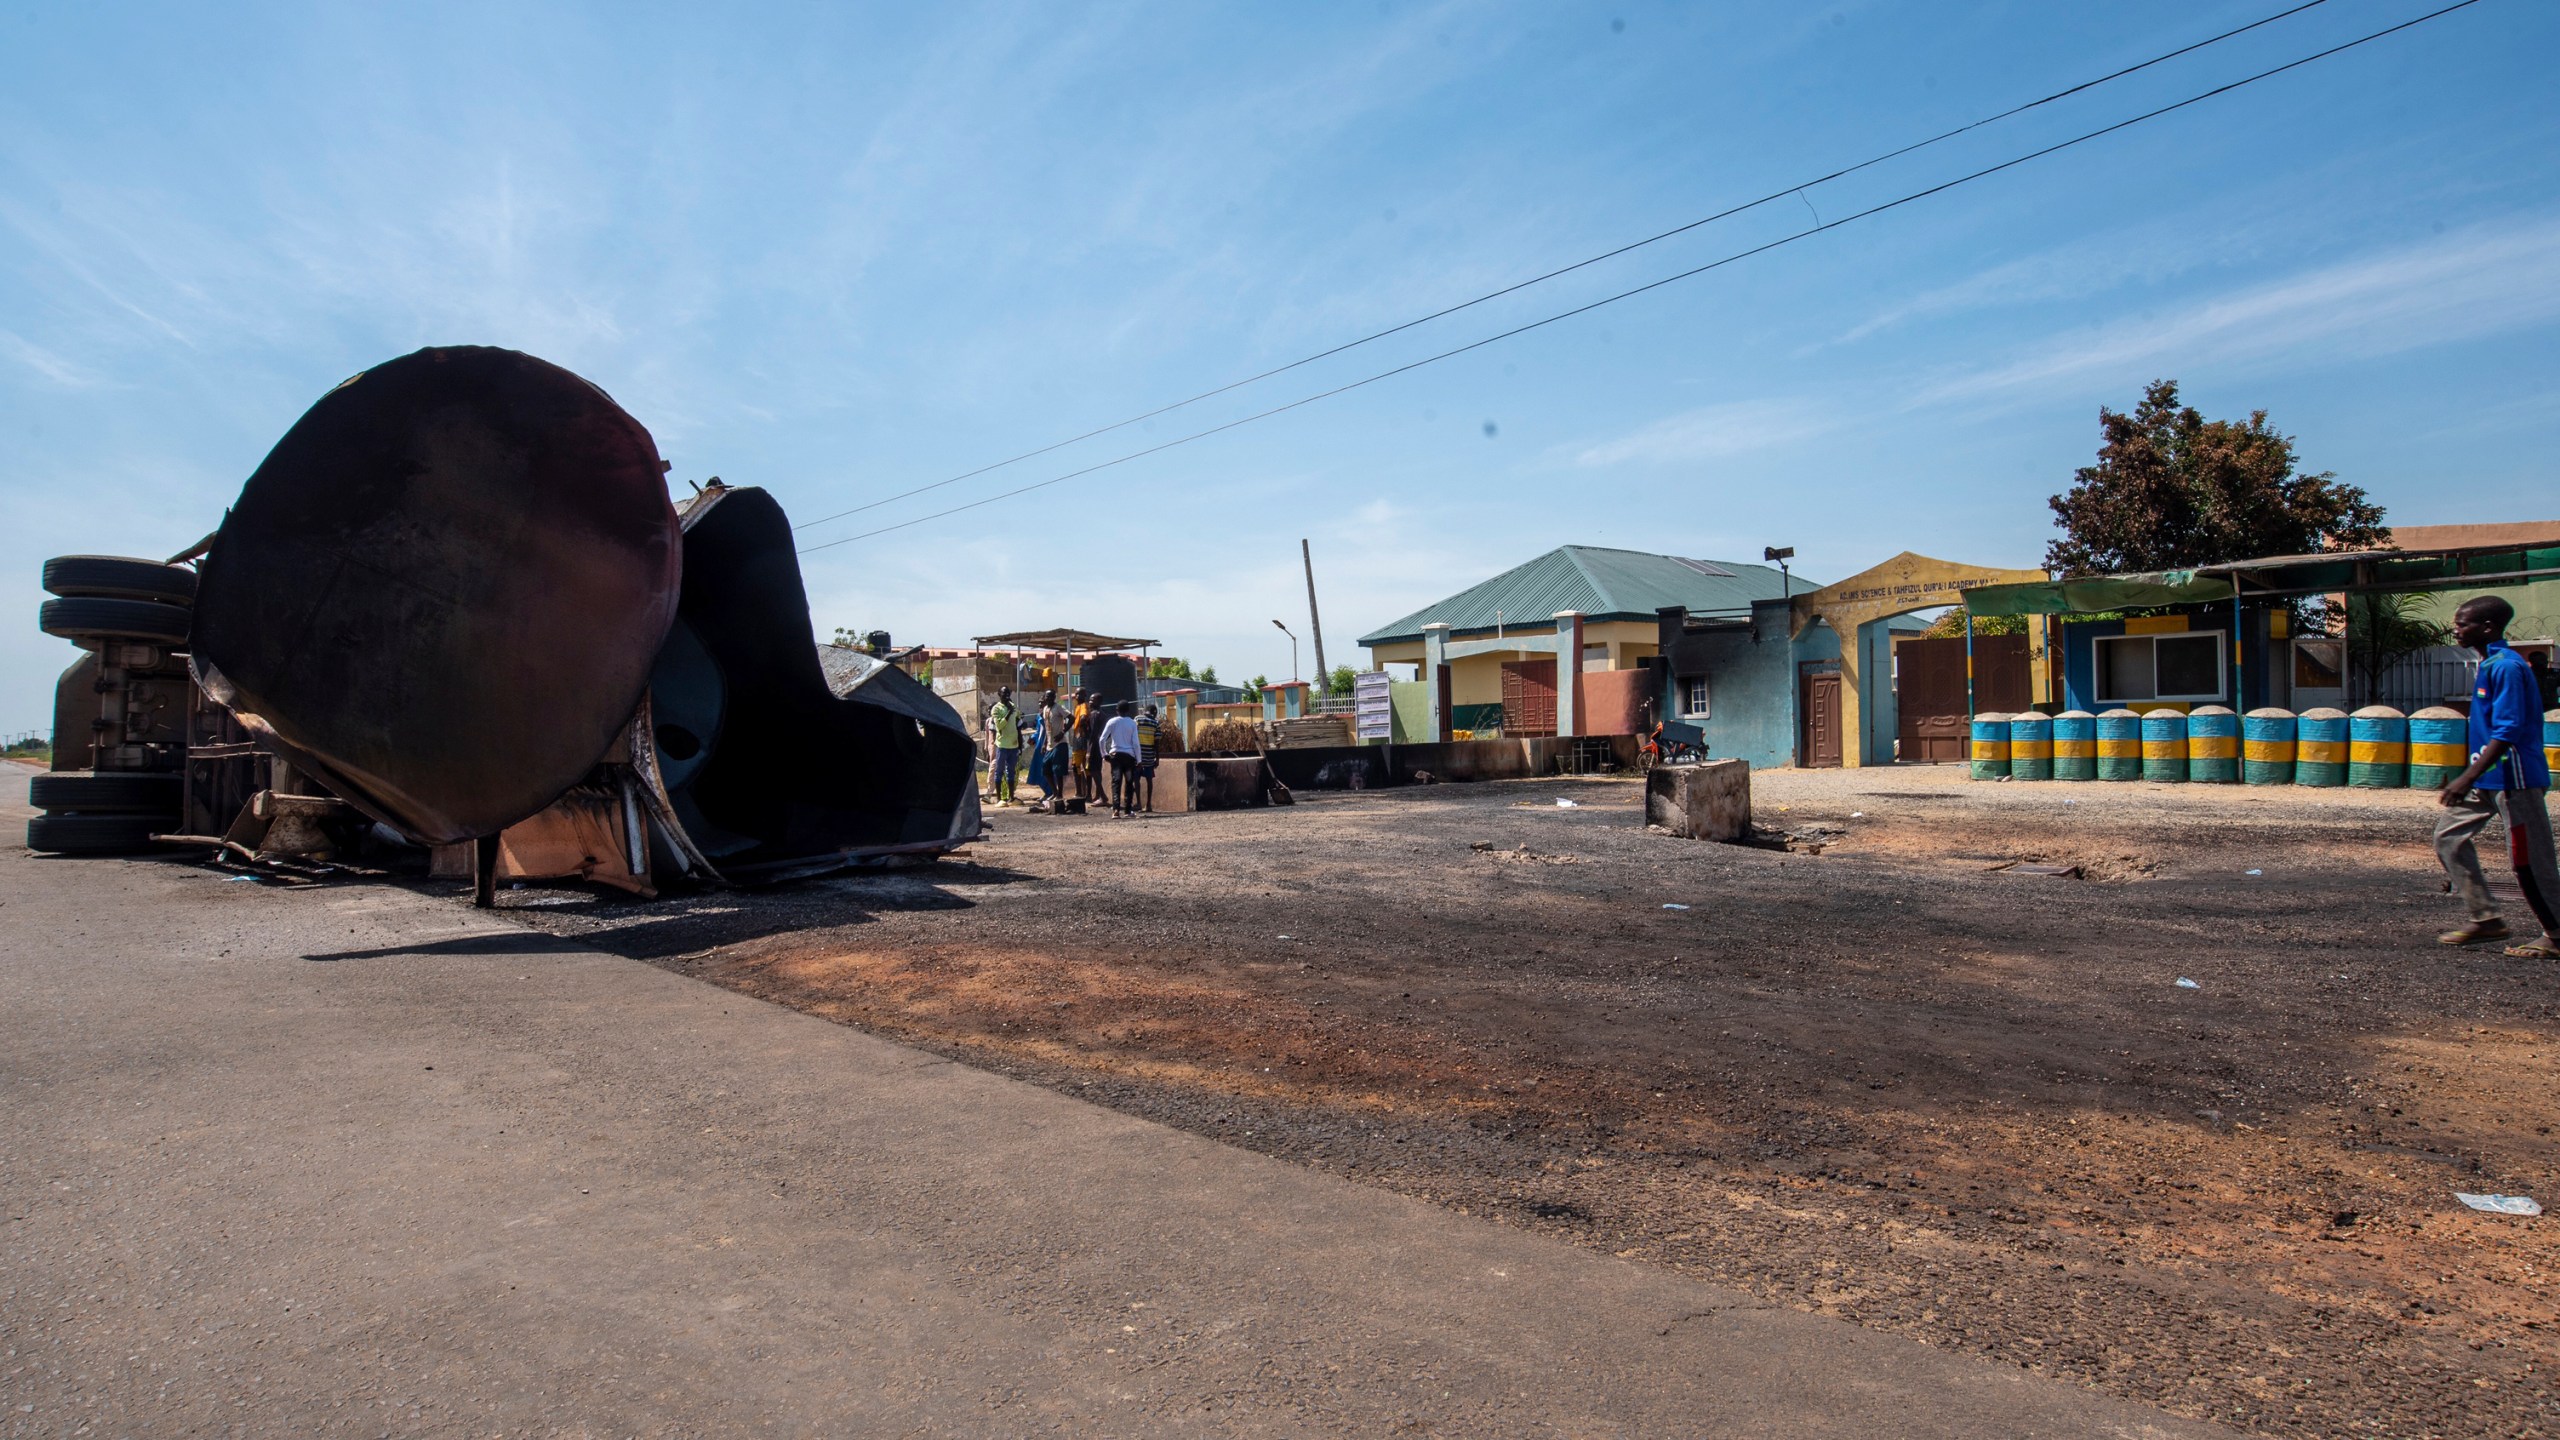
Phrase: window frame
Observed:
(1695, 687)
(2099, 669)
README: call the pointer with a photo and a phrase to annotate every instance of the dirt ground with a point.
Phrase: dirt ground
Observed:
(1884, 1081)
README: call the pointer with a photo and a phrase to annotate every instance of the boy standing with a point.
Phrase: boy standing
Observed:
(1004, 728)
(2508, 777)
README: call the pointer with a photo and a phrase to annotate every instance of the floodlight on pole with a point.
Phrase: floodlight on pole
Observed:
(1781, 554)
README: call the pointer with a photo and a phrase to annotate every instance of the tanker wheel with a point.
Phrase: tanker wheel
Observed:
(95, 834)
(108, 794)
(88, 618)
(117, 577)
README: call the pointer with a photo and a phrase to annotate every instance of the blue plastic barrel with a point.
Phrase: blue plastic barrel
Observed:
(2378, 749)
(2551, 738)
(2320, 747)
(2119, 745)
(2439, 746)
(2164, 746)
(1990, 746)
(2075, 745)
(2213, 745)
(2266, 747)
(2030, 746)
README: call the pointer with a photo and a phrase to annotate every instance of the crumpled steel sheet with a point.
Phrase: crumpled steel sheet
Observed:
(442, 592)
(776, 756)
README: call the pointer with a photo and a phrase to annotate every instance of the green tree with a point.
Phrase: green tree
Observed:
(1169, 667)
(1208, 675)
(2383, 627)
(1950, 626)
(1253, 687)
(2173, 490)
(1342, 681)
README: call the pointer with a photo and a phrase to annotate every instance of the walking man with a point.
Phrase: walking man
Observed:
(1150, 735)
(2507, 776)
(1004, 728)
(1120, 751)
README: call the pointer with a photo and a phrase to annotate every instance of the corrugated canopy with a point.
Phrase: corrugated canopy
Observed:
(2275, 577)
(1065, 640)
(2096, 592)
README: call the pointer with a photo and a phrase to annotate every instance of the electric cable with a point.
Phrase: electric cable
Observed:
(1491, 295)
(1691, 273)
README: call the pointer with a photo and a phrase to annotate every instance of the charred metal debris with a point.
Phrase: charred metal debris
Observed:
(456, 608)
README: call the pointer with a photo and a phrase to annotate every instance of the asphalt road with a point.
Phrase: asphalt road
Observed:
(352, 1160)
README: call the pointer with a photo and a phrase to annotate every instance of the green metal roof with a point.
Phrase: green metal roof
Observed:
(1603, 584)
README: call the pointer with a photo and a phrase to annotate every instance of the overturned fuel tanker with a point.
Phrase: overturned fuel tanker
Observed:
(457, 596)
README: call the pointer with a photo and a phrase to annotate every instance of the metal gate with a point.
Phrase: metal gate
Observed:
(1929, 691)
(1528, 698)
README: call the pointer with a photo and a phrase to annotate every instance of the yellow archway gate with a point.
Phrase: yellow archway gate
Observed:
(1905, 583)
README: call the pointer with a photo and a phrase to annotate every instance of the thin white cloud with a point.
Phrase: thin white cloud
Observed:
(2463, 285)
(61, 371)
(1711, 432)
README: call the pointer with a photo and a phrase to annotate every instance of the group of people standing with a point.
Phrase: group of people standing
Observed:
(1088, 746)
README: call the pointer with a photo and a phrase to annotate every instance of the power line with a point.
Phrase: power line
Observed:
(1726, 214)
(1738, 255)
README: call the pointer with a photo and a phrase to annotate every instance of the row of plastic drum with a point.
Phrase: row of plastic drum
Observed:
(2376, 747)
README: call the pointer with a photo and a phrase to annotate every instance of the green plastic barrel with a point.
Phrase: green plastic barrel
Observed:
(2378, 749)
(2075, 745)
(2439, 746)
(2320, 747)
(2119, 745)
(2266, 747)
(2164, 747)
(2213, 745)
(1990, 746)
(2030, 746)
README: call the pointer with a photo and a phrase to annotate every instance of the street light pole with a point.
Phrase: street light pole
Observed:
(1293, 647)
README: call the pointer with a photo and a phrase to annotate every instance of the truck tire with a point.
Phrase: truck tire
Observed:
(95, 834)
(86, 618)
(109, 794)
(118, 577)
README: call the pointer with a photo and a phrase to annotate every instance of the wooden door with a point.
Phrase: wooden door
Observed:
(1528, 698)
(1820, 744)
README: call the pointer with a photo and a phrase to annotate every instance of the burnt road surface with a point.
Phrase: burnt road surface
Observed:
(349, 1159)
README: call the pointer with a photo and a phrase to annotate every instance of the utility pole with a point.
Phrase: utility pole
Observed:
(1315, 627)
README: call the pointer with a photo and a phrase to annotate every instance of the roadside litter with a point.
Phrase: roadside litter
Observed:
(2186, 984)
(2253, 872)
(2500, 1204)
(1668, 906)
(1568, 804)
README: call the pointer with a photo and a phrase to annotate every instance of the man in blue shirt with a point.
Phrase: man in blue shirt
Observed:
(2507, 776)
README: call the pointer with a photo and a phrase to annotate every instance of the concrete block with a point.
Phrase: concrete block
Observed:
(1710, 800)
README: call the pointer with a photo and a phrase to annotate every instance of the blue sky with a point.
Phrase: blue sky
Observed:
(841, 251)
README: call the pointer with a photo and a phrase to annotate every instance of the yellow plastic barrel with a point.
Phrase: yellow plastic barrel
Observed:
(2164, 746)
(2119, 745)
(2439, 746)
(2266, 746)
(2075, 745)
(2030, 746)
(2320, 747)
(2213, 745)
(1990, 746)
(2378, 749)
